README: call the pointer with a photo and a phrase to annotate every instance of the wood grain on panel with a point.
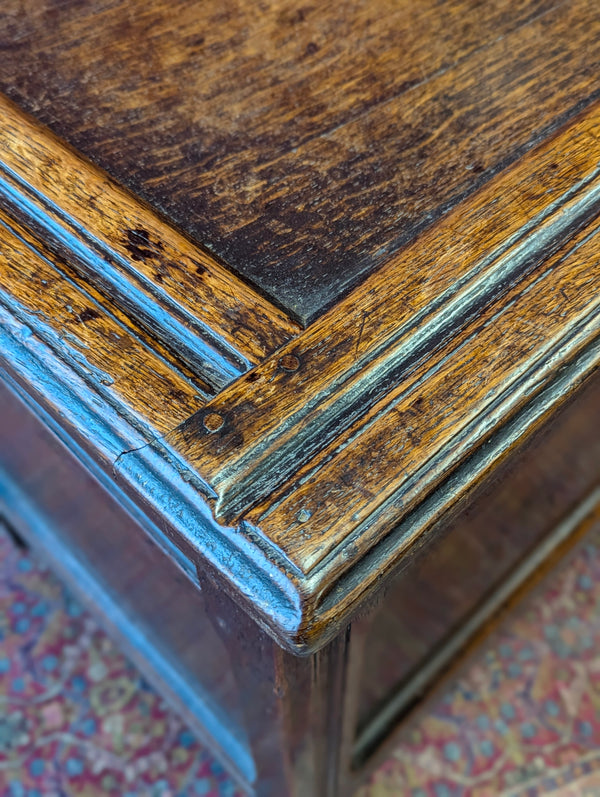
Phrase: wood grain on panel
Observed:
(89, 339)
(318, 457)
(304, 144)
(391, 331)
(344, 436)
(518, 507)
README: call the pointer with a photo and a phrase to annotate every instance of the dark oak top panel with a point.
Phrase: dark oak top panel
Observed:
(301, 466)
(303, 144)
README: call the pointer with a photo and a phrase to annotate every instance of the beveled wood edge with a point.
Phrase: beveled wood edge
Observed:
(248, 474)
(287, 410)
(175, 291)
(131, 371)
(86, 418)
(304, 609)
(290, 606)
(65, 212)
(333, 588)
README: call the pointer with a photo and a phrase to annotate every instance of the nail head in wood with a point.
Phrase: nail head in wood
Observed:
(289, 362)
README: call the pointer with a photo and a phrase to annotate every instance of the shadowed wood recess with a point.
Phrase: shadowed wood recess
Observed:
(305, 144)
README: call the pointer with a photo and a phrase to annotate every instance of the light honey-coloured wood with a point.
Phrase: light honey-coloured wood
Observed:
(88, 336)
(109, 215)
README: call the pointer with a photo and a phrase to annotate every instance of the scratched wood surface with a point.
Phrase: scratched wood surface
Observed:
(343, 434)
(69, 186)
(362, 353)
(304, 144)
(396, 442)
(93, 324)
(93, 340)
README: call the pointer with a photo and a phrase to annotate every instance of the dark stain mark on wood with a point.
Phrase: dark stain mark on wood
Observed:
(196, 41)
(139, 245)
(88, 314)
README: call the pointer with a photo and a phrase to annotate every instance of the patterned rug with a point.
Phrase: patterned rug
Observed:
(77, 719)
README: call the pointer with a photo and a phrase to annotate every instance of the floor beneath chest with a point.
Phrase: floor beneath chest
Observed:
(76, 718)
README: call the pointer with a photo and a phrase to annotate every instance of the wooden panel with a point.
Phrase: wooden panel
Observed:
(303, 144)
(130, 573)
(345, 362)
(323, 467)
(382, 345)
(409, 703)
(518, 507)
(493, 341)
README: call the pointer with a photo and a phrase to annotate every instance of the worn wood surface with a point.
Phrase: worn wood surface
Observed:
(345, 431)
(304, 144)
(91, 339)
(309, 460)
(107, 283)
(173, 291)
(280, 416)
(419, 184)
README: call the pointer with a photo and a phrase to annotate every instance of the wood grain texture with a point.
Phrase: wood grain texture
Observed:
(90, 339)
(526, 500)
(371, 343)
(176, 292)
(362, 155)
(396, 448)
(324, 466)
(343, 449)
(304, 144)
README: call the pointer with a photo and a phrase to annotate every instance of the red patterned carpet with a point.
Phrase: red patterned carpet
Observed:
(77, 719)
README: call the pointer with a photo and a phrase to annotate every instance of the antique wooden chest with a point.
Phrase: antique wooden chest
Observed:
(299, 335)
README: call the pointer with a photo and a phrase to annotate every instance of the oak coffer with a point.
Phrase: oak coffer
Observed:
(299, 342)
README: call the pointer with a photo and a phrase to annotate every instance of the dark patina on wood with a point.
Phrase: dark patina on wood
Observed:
(278, 470)
(403, 397)
(305, 144)
(397, 181)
